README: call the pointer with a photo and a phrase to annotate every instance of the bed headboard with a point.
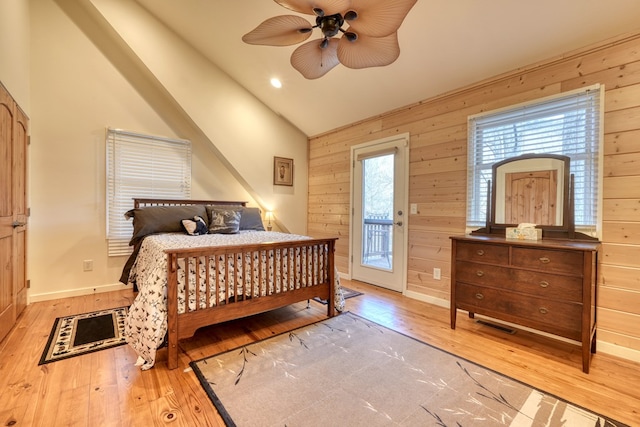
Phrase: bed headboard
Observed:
(141, 203)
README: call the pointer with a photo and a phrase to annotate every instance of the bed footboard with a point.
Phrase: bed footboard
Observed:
(211, 285)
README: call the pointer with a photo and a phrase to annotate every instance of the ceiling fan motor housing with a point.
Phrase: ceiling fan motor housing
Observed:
(330, 25)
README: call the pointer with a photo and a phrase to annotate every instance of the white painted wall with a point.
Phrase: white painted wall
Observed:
(76, 92)
(246, 132)
(14, 50)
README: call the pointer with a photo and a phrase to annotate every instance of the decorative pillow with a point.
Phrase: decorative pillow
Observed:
(224, 220)
(196, 226)
(251, 219)
(161, 219)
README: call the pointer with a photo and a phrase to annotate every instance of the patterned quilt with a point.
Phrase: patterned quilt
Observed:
(146, 324)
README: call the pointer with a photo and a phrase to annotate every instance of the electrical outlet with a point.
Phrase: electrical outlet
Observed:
(436, 273)
(87, 265)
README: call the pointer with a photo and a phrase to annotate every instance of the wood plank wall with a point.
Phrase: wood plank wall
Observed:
(438, 148)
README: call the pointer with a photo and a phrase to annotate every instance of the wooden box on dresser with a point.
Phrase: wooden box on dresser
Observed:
(546, 285)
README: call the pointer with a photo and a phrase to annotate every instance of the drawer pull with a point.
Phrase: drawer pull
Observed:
(480, 252)
(545, 260)
(479, 296)
(543, 310)
(479, 273)
(544, 284)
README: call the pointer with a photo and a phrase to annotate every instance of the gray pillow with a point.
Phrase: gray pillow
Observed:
(209, 208)
(224, 220)
(161, 219)
(251, 219)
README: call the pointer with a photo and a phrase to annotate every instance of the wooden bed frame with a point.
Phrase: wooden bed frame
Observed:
(313, 277)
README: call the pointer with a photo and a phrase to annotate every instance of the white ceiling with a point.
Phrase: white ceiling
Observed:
(445, 44)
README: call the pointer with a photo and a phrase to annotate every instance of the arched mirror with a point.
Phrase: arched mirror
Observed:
(534, 189)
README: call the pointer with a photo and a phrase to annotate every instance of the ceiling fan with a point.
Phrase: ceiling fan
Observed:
(371, 39)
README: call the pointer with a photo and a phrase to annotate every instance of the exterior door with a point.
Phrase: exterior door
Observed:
(379, 223)
(13, 211)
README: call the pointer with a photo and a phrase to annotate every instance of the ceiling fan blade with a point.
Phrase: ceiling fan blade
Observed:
(282, 30)
(379, 18)
(368, 51)
(312, 61)
(329, 7)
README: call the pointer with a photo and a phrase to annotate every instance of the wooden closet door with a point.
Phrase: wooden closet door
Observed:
(13, 211)
(531, 197)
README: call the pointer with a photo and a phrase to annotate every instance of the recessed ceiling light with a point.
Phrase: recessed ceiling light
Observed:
(276, 83)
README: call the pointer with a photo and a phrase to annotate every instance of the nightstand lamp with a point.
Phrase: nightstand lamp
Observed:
(268, 216)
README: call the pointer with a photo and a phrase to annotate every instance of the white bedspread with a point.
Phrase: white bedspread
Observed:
(146, 324)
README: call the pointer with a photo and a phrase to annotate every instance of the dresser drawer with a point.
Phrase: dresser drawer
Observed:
(482, 274)
(569, 262)
(482, 252)
(544, 285)
(523, 309)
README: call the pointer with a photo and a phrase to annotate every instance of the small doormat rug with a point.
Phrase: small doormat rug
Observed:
(84, 333)
(350, 371)
(347, 292)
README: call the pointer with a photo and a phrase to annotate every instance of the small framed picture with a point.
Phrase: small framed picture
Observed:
(282, 171)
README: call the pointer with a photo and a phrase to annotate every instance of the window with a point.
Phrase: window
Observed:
(141, 166)
(567, 124)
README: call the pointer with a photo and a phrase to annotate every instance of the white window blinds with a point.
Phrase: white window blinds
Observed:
(141, 166)
(567, 124)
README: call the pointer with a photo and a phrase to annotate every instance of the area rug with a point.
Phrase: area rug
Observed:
(84, 333)
(346, 292)
(350, 371)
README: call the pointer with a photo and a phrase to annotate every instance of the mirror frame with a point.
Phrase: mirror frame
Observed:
(566, 230)
(498, 171)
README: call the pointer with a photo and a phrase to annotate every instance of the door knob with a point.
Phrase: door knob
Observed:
(16, 224)
(399, 223)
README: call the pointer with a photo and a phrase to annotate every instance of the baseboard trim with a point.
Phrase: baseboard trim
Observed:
(427, 298)
(618, 351)
(47, 296)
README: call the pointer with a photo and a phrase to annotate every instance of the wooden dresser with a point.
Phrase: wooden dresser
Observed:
(547, 285)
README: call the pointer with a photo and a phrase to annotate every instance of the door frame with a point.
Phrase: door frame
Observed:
(403, 263)
(13, 219)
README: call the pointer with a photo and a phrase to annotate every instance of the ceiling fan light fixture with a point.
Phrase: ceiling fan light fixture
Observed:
(351, 36)
(370, 41)
(351, 15)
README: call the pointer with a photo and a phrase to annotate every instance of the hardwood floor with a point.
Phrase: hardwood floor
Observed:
(105, 389)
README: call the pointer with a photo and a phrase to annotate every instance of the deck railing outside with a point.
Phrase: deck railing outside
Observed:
(377, 236)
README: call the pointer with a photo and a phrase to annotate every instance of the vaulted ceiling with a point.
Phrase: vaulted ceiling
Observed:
(445, 45)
